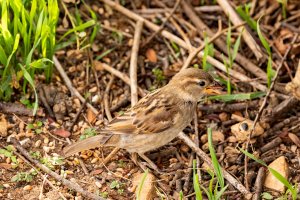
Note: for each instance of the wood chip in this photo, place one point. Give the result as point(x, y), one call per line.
point(147, 191)
point(281, 166)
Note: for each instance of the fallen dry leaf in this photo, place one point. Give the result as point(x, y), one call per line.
point(5, 166)
point(151, 55)
point(91, 116)
point(62, 133)
point(294, 138)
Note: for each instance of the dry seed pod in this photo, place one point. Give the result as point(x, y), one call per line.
point(242, 130)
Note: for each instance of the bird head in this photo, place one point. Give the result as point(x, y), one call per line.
point(195, 84)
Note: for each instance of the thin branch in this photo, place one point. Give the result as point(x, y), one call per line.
point(133, 62)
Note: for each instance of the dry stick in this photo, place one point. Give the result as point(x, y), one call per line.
point(264, 104)
point(196, 140)
point(56, 176)
point(117, 73)
point(206, 158)
point(183, 35)
point(133, 62)
point(260, 179)
point(182, 43)
point(235, 19)
point(202, 27)
point(69, 84)
point(162, 25)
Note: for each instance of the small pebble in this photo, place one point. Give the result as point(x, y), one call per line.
point(98, 184)
point(94, 160)
point(46, 149)
point(77, 103)
point(95, 98)
point(184, 148)
point(173, 160)
point(51, 144)
point(46, 140)
point(6, 185)
point(25, 141)
point(78, 198)
point(27, 188)
point(93, 89)
point(37, 143)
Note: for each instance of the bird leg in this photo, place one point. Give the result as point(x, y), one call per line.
point(134, 158)
point(150, 163)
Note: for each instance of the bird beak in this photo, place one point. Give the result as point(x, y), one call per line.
point(213, 89)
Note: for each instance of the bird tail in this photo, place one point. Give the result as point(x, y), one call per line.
point(89, 143)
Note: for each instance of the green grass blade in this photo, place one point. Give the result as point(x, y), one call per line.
point(214, 159)
point(105, 53)
point(221, 192)
point(233, 97)
point(3, 56)
point(245, 16)
point(237, 45)
point(196, 182)
point(262, 38)
point(270, 71)
point(140, 186)
point(31, 82)
point(79, 28)
point(40, 63)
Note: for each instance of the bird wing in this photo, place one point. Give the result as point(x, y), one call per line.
point(154, 113)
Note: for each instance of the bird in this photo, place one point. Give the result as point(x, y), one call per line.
point(157, 118)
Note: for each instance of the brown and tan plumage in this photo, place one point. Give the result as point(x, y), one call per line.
point(157, 118)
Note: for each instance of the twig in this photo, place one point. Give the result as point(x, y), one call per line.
point(264, 104)
point(222, 107)
point(186, 185)
point(150, 38)
point(235, 19)
point(260, 179)
point(57, 177)
point(117, 73)
point(106, 96)
point(196, 140)
point(203, 156)
point(133, 62)
point(77, 116)
point(18, 109)
point(69, 84)
point(203, 28)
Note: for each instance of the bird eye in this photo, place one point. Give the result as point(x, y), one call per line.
point(202, 83)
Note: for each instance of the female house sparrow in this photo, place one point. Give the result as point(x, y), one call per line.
point(157, 118)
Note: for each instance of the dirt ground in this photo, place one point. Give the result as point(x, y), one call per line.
point(64, 118)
